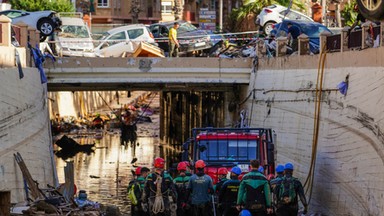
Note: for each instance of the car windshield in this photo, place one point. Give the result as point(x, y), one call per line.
point(228, 150)
point(72, 31)
point(184, 27)
point(104, 35)
point(313, 31)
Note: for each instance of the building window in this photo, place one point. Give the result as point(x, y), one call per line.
point(102, 3)
point(166, 7)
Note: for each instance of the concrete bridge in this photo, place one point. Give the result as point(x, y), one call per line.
point(84, 74)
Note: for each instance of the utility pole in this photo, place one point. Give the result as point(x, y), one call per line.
point(221, 16)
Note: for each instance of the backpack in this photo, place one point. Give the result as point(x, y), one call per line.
point(287, 193)
point(255, 197)
point(132, 193)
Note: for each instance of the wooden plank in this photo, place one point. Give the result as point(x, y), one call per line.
point(35, 192)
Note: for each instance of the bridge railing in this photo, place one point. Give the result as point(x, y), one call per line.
point(370, 35)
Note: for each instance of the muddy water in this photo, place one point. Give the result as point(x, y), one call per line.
point(105, 173)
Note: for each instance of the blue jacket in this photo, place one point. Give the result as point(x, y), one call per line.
point(201, 188)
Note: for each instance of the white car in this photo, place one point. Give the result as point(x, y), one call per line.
point(74, 39)
point(275, 14)
point(122, 39)
point(44, 21)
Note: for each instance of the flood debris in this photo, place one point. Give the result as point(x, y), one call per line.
point(57, 201)
point(69, 147)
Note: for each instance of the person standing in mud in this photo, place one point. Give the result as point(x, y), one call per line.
point(98, 122)
point(128, 129)
point(159, 195)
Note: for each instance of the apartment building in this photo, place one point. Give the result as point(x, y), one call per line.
point(121, 11)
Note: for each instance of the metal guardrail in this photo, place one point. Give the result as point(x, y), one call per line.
point(355, 39)
point(376, 31)
point(16, 32)
point(334, 43)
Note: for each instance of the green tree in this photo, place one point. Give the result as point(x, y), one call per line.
point(349, 14)
point(40, 5)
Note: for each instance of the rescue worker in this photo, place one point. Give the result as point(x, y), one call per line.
point(273, 183)
point(141, 174)
point(159, 195)
point(181, 184)
point(200, 190)
point(98, 122)
point(254, 192)
point(222, 176)
point(289, 189)
point(228, 193)
point(173, 42)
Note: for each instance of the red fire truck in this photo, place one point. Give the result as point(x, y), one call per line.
point(228, 147)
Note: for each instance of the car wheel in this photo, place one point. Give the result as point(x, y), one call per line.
point(371, 9)
point(45, 26)
point(268, 27)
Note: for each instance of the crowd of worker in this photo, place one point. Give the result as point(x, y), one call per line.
point(243, 194)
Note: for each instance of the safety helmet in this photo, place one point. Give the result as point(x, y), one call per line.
point(159, 163)
point(187, 163)
point(222, 171)
point(236, 170)
point(288, 166)
point(200, 164)
point(280, 168)
point(245, 213)
point(138, 171)
point(182, 166)
point(261, 169)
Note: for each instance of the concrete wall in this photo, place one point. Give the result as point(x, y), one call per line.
point(349, 174)
point(24, 128)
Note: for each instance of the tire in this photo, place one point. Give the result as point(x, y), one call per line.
point(268, 27)
point(45, 26)
point(372, 9)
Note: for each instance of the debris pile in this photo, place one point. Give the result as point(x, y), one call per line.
point(57, 201)
point(230, 50)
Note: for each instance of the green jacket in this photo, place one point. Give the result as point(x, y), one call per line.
point(181, 184)
point(140, 181)
point(254, 179)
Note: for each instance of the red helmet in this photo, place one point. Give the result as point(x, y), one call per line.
point(222, 171)
point(159, 163)
point(200, 164)
point(182, 166)
point(138, 171)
